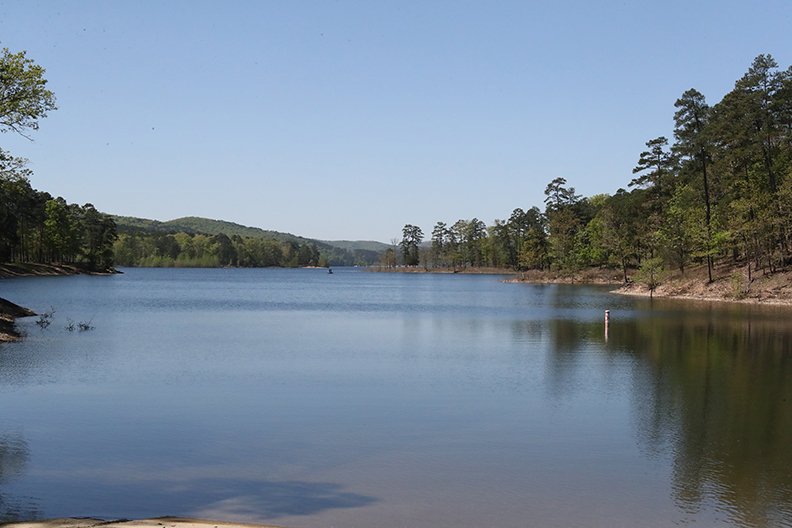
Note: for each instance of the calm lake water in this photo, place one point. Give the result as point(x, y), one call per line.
point(358, 399)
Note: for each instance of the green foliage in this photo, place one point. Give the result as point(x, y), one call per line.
point(739, 285)
point(655, 166)
point(24, 98)
point(439, 250)
point(357, 245)
point(651, 273)
point(187, 250)
point(99, 233)
point(722, 190)
point(558, 196)
point(680, 231)
point(34, 227)
point(344, 254)
point(525, 239)
point(62, 230)
point(412, 236)
point(388, 258)
point(563, 225)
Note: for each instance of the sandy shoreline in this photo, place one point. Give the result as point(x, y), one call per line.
point(159, 522)
point(754, 301)
point(730, 286)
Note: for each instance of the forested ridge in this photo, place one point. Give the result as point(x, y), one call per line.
point(202, 242)
point(719, 192)
point(36, 227)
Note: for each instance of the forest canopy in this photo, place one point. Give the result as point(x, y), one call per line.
point(720, 190)
point(35, 226)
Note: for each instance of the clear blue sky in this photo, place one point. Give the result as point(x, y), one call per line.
point(341, 119)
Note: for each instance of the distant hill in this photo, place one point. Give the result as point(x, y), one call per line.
point(196, 224)
point(352, 245)
point(344, 251)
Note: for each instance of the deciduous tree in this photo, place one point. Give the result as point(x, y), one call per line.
point(24, 97)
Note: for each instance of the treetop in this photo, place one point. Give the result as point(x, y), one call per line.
point(24, 97)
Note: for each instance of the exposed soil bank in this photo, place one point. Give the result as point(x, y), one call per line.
point(160, 522)
point(29, 269)
point(8, 314)
point(729, 284)
point(587, 276)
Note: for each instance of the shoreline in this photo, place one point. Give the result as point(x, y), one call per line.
point(8, 314)
point(157, 522)
point(758, 297)
point(442, 271)
point(30, 269)
point(730, 285)
point(9, 311)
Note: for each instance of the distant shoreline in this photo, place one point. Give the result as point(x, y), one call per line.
point(730, 284)
point(158, 522)
point(591, 276)
point(470, 270)
point(30, 269)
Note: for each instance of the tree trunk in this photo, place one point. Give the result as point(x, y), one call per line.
point(708, 213)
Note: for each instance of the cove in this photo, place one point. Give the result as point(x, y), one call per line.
point(357, 399)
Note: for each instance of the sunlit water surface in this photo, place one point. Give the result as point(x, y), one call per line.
point(356, 399)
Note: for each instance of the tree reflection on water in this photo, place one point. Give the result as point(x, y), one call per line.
point(712, 388)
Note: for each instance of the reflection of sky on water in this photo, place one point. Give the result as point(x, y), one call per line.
point(14, 454)
point(391, 400)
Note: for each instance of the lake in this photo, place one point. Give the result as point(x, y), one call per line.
point(300, 398)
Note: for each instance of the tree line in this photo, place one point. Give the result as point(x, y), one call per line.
point(35, 226)
point(719, 192)
point(212, 251)
point(203, 242)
